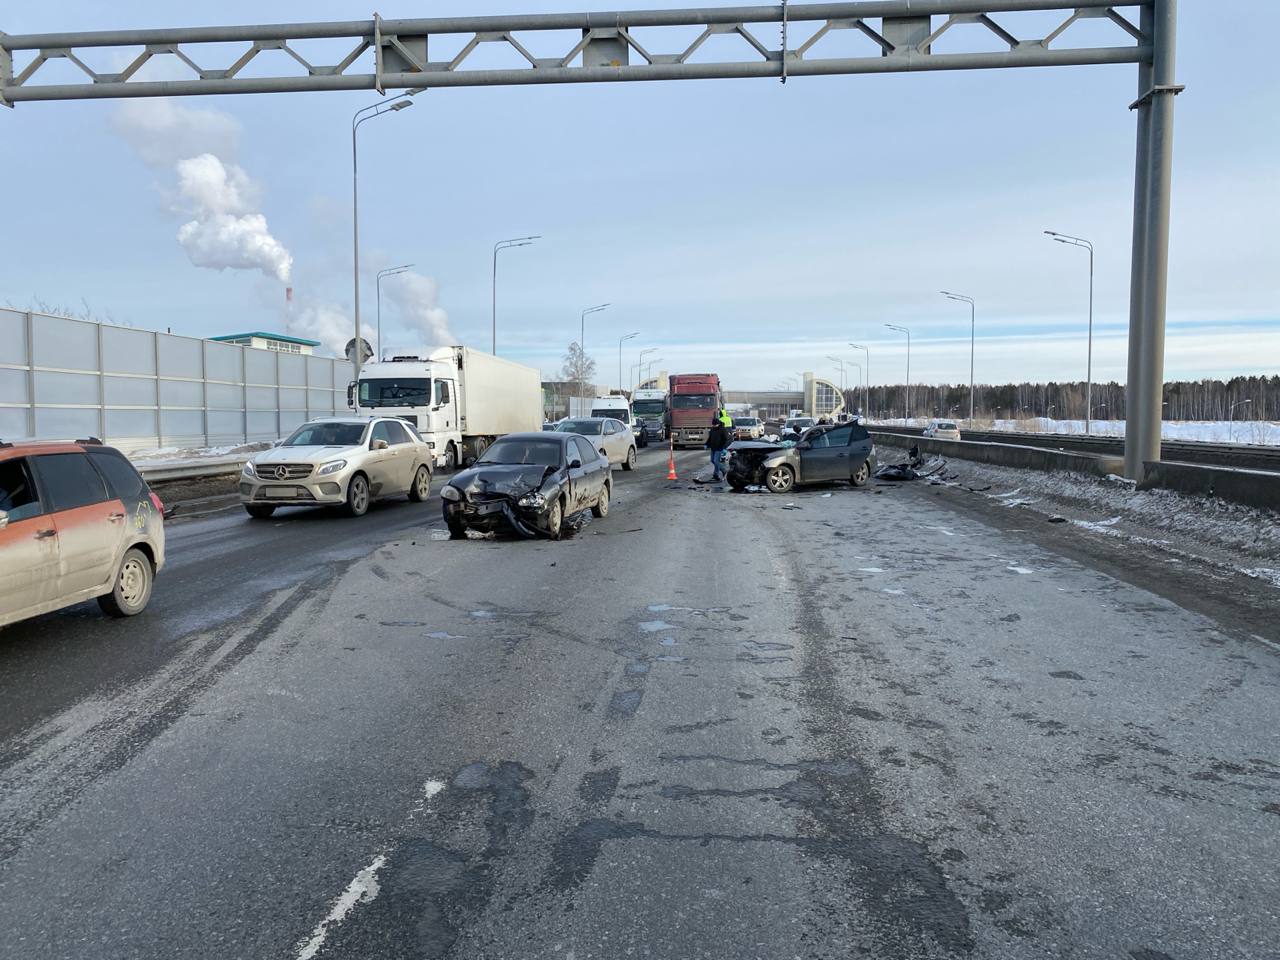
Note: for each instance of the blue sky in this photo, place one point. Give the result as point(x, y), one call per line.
point(740, 226)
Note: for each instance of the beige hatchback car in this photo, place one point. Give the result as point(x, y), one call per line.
point(343, 462)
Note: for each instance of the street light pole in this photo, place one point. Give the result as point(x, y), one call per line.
point(504, 245)
point(648, 367)
point(866, 379)
point(859, 381)
point(894, 326)
point(582, 348)
point(969, 300)
point(621, 341)
point(372, 110)
point(1231, 417)
point(389, 272)
point(1088, 390)
point(639, 365)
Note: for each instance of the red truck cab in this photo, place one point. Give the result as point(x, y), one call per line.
point(693, 401)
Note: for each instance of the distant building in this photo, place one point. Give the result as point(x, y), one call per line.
point(278, 342)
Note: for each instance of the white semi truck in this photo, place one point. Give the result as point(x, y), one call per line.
point(460, 399)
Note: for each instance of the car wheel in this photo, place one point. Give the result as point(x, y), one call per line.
point(601, 509)
point(132, 587)
point(421, 488)
point(259, 511)
point(357, 496)
point(861, 475)
point(450, 457)
point(555, 520)
point(779, 479)
point(630, 462)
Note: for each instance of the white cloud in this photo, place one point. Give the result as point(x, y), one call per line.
point(162, 132)
point(417, 298)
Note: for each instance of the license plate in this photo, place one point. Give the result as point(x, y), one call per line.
point(280, 492)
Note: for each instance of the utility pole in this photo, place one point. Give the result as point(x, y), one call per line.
point(1088, 394)
point(894, 326)
point(969, 300)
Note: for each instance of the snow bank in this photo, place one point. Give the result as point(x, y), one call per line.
point(1260, 432)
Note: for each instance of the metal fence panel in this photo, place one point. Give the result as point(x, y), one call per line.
point(13, 337)
point(136, 389)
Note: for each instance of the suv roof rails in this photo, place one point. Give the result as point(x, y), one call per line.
point(91, 441)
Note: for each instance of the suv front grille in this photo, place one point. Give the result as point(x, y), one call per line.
point(283, 471)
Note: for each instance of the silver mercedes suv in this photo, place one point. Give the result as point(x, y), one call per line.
point(339, 461)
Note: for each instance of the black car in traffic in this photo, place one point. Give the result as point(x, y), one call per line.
point(530, 483)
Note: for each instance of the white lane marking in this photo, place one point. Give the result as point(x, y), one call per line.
point(871, 569)
point(1020, 569)
point(363, 888)
point(896, 593)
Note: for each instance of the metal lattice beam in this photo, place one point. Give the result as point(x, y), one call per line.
point(602, 50)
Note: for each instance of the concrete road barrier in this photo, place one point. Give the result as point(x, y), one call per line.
point(1007, 454)
point(1255, 488)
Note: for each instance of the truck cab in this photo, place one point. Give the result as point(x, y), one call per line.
point(694, 400)
point(460, 399)
point(423, 392)
point(649, 410)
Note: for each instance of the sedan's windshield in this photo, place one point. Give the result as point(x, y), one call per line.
point(590, 428)
point(398, 392)
point(543, 453)
point(326, 435)
point(693, 401)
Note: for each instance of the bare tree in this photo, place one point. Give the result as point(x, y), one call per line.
point(578, 367)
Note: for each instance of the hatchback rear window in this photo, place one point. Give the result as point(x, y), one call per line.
point(122, 478)
point(69, 480)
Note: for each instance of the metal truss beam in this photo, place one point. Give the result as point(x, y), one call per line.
point(603, 47)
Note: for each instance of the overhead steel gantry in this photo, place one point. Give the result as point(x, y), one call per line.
point(781, 41)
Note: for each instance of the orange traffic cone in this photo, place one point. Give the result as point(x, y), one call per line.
point(671, 462)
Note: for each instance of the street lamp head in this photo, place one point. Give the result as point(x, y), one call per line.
point(401, 104)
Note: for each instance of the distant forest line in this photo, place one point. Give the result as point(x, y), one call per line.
point(1240, 398)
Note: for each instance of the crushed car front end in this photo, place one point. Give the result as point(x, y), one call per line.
point(750, 460)
point(487, 499)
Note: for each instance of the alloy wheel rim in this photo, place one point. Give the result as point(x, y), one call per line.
point(424, 482)
point(778, 480)
point(359, 495)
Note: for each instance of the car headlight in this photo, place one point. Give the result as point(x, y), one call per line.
point(535, 500)
point(248, 469)
point(450, 493)
point(332, 466)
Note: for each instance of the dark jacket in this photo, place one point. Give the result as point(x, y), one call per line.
point(718, 437)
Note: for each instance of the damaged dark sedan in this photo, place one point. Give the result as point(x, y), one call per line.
point(841, 451)
point(530, 483)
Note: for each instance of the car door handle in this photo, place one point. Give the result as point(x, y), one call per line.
point(115, 517)
point(45, 534)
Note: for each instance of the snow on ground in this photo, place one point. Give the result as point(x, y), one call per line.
point(1226, 536)
point(184, 456)
point(1263, 432)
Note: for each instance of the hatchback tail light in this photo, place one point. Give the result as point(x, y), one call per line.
point(156, 502)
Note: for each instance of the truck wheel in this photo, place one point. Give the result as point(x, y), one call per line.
point(420, 489)
point(630, 462)
point(259, 511)
point(357, 496)
point(131, 588)
point(779, 479)
point(601, 509)
point(451, 457)
point(861, 475)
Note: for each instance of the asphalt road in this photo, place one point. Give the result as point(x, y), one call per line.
point(847, 723)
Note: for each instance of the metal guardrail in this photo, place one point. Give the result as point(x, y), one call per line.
point(1183, 451)
point(213, 467)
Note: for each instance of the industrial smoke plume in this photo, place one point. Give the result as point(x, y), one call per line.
point(226, 229)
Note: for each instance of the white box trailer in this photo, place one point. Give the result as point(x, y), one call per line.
point(460, 399)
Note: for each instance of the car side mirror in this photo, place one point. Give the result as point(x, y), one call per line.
point(351, 394)
point(575, 464)
point(378, 445)
point(4, 519)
